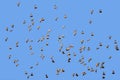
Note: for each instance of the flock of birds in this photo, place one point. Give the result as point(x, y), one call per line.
point(64, 50)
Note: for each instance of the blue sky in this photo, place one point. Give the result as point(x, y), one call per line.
point(78, 15)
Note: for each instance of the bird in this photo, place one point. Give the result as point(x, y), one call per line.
point(32, 23)
point(100, 44)
point(56, 19)
point(17, 44)
point(90, 21)
point(35, 6)
point(31, 67)
point(81, 41)
point(25, 72)
point(88, 68)
point(12, 26)
point(91, 11)
point(55, 7)
point(10, 48)
point(113, 72)
point(53, 61)
point(69, 60)
point(92, 34)
point(6, 39)
point(58, 71)
point(74, 32)
point(32, 19)
point(89, 59)
point(9, 56)
point(88, 48)
point(29, 28)
point(110, 37)
point(11, 30)
point(31, 15)
point(6, 29)
point(103, 73)
point(42, 19)
point(41, 49)
point(47, 36)
point(97, 48)
point(24, 22)
point(67, 49)
point(46, 76)
point(74, 54)
point(46, 44)
point(17, 65)
point(42, 56)
point(109, 57)
point(76, 75)
point(84, 73)
point(96, 70)
point(31, 53)
point(100, 10)
point(38, 27)
point(97, 64)
point(63, 52)
point(115, 41)
point(63, 27)
point(37, 64)
point(73, 74)
point(107, 46)
point(63, 70)
point(18, 4)
point(16, 61)
point(82, 32)
point(102, 66)
point(31, 74)
point(30, 47)
point(27, 40)
point(103, 77)
point(116, 48)
point(88, 40)
point(68, 54)
point(65, 16)
point(28, 77)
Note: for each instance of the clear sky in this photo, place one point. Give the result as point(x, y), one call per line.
point(78, 15)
